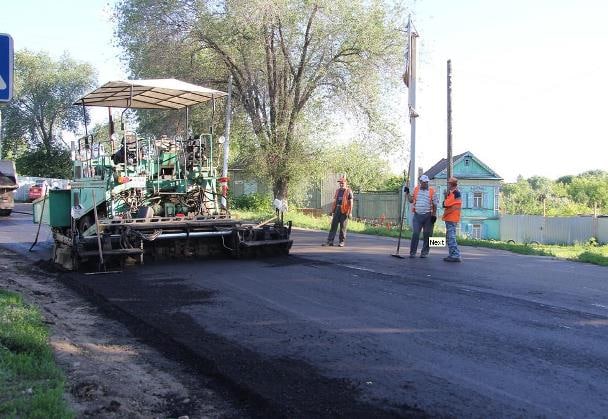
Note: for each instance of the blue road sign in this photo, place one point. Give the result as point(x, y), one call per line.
point(6, 67)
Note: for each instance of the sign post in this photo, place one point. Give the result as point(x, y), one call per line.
point(6, 74)
point(409, 78)
point(6, 67)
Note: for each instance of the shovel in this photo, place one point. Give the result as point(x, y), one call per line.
point(401, 216)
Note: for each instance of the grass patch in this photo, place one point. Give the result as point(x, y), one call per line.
point(31, 384)
point(597, 255)
point(323, 223)
point(594, 257)
point(589, 253)
point(523, 249)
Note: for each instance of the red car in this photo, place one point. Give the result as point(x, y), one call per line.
point(37, 190)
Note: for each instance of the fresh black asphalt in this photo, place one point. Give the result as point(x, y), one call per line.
point(353, 332)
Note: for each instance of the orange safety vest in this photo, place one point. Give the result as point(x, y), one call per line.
point(431, 193)
point(452, 205)
point(346, 203)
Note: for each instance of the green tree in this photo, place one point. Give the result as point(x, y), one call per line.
point(536, 196)
point(42, 107)
point(590, 189)
point(517, 197)
point(595, 174)
point(292, 62)
point(569, 195)
point(365, 169)
point(391, 183)
point(13, 147)
point(56, 164)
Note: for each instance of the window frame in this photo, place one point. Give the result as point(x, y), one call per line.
point(476, 231)
point(478, 200)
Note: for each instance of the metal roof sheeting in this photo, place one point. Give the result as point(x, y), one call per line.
point(149, 94)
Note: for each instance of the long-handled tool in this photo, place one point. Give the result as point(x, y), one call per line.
point(402, 214)
point(102, 265)
point(46, 198)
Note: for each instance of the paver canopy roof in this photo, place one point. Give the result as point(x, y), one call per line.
point(149, 94)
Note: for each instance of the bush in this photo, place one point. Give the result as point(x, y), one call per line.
point(39, 163)
point(252, 202)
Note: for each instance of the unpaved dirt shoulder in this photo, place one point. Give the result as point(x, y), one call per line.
point(108, 372)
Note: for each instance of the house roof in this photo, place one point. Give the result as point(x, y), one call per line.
point(441, 168)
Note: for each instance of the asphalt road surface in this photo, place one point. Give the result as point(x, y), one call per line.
point(18, 233)
point(355, 332)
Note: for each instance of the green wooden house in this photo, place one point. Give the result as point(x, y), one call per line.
point(480, 188)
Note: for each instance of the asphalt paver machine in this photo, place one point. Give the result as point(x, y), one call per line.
point(157, 197)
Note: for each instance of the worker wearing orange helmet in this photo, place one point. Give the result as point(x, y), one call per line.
point(341, 210)
point(451, 215)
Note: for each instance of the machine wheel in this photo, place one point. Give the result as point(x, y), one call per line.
point(84, 223)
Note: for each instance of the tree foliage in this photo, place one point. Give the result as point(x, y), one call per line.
point(569, 195)
point(291, 62)
point(42, 107)
point(365, 169)
point(392, 183)
point(45, 91)
point(590, 189)
point(40, 163)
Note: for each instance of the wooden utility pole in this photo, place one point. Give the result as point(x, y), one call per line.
point(450, 162)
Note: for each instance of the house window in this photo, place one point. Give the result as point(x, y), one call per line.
point(478, 200)
point(496, 206)
point(476, 231)
point(465, 199)
point(466, 162)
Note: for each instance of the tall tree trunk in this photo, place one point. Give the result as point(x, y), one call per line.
point(280, 188)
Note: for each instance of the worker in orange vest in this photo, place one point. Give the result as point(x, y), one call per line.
point(451, 215)
point(424, 206)
point(341, 210)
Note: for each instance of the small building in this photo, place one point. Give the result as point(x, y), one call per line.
point(241, 183)
point(480, 189)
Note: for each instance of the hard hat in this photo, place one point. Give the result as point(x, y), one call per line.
point(424, 178)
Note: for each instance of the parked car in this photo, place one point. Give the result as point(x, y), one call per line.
point(38, 190)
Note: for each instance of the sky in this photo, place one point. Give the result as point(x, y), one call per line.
point(529, 87)
point(528, 84)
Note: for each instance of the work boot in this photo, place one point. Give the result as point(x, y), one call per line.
point(424, 255)
point(452, 259)
point(328, 244)
point(412, 255)
point(341, 244)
